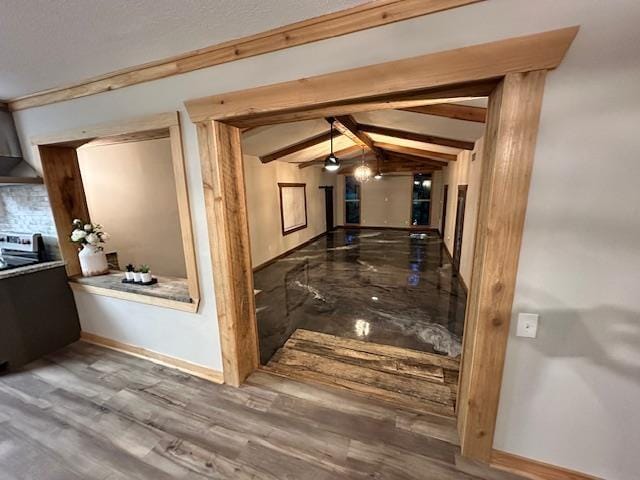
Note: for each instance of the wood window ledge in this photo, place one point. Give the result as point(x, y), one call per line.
point(169, 292)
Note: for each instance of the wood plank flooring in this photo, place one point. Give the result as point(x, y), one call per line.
point(87, 412)
point(414, 380)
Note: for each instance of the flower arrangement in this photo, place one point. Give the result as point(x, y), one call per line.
point(88, 234)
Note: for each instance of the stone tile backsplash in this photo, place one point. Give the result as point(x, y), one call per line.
point(26, 209)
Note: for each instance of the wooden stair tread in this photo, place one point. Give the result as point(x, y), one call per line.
point(410, 379)
point(398, 353)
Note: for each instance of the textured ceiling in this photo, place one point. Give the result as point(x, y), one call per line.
point(49, 43)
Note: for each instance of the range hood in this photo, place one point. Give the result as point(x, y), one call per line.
point(13, 168)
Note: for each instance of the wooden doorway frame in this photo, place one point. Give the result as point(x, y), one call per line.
point(511, 72)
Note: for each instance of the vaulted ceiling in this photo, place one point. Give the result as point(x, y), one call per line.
point(51, 43)
point(421, 139)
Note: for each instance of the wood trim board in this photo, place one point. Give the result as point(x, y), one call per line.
point(155, 357)
point(79, 136)
point(510, 139)
point(515, 70)
point(484, 62)
point(361, 17)
point(533, 469)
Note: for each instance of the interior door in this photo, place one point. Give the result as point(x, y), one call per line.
point(328, 204)
point(445, 199)
point(457, 239)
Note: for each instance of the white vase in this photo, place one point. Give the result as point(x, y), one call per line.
point(145, 277)
point(128, 275)
point(93, 261)
point(137, 277)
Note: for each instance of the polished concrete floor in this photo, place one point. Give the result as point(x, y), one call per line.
point(90, 413)
point(391, 287)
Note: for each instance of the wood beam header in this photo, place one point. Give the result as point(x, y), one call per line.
point(488, 61)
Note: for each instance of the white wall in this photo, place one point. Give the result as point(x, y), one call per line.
point(569, 397)
point(466, 170)
point(385, 202)
point(263, 205)
point(131, 191)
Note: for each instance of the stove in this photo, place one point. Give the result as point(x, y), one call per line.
point(20, 249)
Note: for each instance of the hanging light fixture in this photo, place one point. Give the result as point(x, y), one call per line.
point(363, 172)
point(378, 174)
point(331, 163)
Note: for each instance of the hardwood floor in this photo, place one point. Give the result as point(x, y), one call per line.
point(87, 412)
point(419, 381)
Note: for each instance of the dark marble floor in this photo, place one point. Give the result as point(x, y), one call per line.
point(384, 286)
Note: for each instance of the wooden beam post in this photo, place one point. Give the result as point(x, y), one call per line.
point(226, 207)
point(62, 178)
point(512, 126)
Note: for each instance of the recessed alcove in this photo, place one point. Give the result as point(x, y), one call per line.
point(130, 176)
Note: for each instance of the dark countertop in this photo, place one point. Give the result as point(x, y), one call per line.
point(14, 272)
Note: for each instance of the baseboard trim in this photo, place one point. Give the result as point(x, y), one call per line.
point(291, 250)
point(370, 227)
point(155, 357)
point(533, 469)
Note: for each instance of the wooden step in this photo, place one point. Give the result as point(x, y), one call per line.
point(415, 380)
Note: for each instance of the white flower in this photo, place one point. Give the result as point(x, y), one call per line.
point(88, 227)
point(104, 236)
point(93, 239)
point(77, 221)
point(77, 235)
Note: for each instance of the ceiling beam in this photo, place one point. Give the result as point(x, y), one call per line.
point(296, 147)
point(348, 126)
point(417, 152)
point(338, 153)
point(452, 110)
point(413, 158)
point(416, 137)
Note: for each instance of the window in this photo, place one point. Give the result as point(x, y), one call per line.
point(421, 206)
point(352, 200)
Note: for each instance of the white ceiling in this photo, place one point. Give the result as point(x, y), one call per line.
point(267, 139)
point(50, 43)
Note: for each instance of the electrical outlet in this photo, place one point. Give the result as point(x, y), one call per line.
point(527, 325)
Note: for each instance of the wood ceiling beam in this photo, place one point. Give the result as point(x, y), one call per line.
point(417, 152)
point(413, 158)
point(457, 93)
point(417, 137)
point(451, 110)
point(338, 153)
point(348, 126)
point(296, 147)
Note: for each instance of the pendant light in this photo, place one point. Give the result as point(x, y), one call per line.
point(378, 174)
point(331, 163)
point(363, 172)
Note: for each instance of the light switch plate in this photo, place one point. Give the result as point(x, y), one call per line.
point(527, 325)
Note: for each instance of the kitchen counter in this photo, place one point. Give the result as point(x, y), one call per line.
point(38, 313)
point(37, 267)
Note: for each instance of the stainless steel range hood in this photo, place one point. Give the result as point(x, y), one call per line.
point(13, 168)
